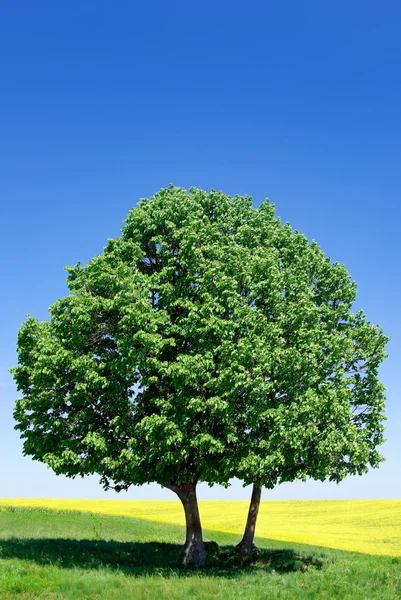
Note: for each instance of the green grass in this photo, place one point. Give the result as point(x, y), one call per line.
point(65, 556)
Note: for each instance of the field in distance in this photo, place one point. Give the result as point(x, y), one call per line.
point(367, 526)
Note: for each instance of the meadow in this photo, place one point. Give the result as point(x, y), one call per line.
point(48, 552)
point(368, 526)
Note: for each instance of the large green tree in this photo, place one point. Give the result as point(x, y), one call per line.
point(199, 346)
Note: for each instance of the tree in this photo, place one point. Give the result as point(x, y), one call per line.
point(178, 356)
point(314, 400)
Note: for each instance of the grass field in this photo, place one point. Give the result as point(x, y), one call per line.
point(369, 526)
point(48, 555)
point(61, 556)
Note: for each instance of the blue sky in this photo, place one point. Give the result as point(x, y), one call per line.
point(104, 102)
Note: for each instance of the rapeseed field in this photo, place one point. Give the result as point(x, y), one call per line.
point(367, 526)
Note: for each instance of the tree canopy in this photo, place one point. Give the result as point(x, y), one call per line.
point(208, 341)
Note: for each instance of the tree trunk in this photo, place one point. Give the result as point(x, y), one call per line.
point(194, 548)
point(244, 548)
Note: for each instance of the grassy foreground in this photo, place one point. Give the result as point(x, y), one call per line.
point(369, 526)
point(46, 555)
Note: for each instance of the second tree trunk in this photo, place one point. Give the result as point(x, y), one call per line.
point(244, 548)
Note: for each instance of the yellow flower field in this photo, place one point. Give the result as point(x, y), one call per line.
point(369, 526)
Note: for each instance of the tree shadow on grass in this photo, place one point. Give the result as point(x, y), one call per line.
point(143, 558)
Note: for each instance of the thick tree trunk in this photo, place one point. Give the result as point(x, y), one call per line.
point(244, 548)
point(194, 548)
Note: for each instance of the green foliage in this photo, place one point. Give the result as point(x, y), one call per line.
point(208, 341)
point(280, 561)
point(213, 553)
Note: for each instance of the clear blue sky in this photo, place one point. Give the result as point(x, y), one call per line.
point(104, 102)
